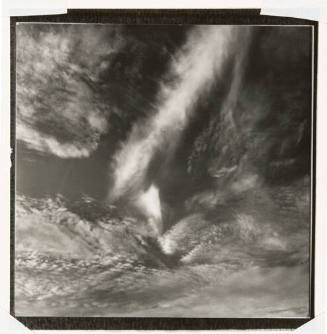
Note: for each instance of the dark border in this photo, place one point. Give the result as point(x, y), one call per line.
point(158, 16)
point(313, 167)
point(97, 323)
point(165, 16)
point(12, 160)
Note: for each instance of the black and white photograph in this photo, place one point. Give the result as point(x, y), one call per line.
point(163, 170)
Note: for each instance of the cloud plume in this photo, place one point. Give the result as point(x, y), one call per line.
point(193, 69)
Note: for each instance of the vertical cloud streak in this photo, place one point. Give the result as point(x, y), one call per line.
point(194, 69)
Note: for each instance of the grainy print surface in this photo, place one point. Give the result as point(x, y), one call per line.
point(163, 171)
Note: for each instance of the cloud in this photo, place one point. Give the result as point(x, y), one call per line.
point(84, 230)
point(237, 244)
point(59, 106)
point(262, 126)
point(149, 203)
point(263, 226)
point(193, 70)
point(66, 263)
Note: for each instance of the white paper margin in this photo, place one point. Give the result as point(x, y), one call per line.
point(303, 9)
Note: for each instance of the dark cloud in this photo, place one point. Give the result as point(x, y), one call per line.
point(59, 108)
point(73, 79)
point(269, 123)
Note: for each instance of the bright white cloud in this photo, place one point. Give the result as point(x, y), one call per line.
point(195, 67)
point(149, 203)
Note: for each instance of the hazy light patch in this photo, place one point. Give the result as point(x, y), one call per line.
point(245, 183)
point(149, 203)
point(184, 235)
point(44, 143)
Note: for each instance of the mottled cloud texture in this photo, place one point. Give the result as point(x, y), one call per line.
point(193, 197)
point(59, 106)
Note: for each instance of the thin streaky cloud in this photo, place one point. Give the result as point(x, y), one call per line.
point(195, 68)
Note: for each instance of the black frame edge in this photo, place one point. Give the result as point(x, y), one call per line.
point(12, 160)
point(96, 323)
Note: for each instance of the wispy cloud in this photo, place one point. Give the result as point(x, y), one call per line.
point(261, 130)
point(194, 68)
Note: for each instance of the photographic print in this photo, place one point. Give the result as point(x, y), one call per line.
point(163, 170)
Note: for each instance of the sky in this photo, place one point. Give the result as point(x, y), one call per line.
point(197, 139)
